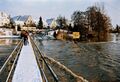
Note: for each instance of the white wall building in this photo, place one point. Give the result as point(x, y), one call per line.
point(23, 20)
point(4, 19)
point(51, 23)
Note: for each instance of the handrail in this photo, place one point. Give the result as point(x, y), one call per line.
point(4, 71)
point(13, 66)
point(9, 57)
point(39, 65)
point(50, 69)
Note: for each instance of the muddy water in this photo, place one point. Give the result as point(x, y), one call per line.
point(95, 61)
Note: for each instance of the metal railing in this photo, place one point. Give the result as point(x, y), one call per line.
point(39, 55)
point(9, 66)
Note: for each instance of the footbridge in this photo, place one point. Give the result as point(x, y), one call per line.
point(26, 64)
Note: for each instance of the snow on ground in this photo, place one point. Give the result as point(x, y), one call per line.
point(27, 69)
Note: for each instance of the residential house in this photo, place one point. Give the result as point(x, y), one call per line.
point(51, 23)
point(4, 19)
point(25, 20)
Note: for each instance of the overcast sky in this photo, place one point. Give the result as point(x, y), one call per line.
point(53, 8)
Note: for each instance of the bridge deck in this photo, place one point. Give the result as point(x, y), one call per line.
point(27, 69)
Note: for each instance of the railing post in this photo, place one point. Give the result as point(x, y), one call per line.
point(6, 68)
point(45, 62)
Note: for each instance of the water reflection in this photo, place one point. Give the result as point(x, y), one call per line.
point(6, 47)
point(8, 41)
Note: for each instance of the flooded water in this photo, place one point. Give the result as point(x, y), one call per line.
point(6, 47)
point(95, 61)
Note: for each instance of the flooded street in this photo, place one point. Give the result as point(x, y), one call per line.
point(95, 61)
point(6, 48)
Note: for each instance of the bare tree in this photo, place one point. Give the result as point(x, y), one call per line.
point(62, 22)
point(98, 20)
point(80, 21)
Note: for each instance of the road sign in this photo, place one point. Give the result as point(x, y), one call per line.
point(76, 35)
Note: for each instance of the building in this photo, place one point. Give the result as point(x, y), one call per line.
point(24, 23)
point(4, 19)
point(51, 23)
point(25, 20)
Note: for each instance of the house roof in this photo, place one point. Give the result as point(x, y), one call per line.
point(21, 18)
point(49, 21)
point(15, 18)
